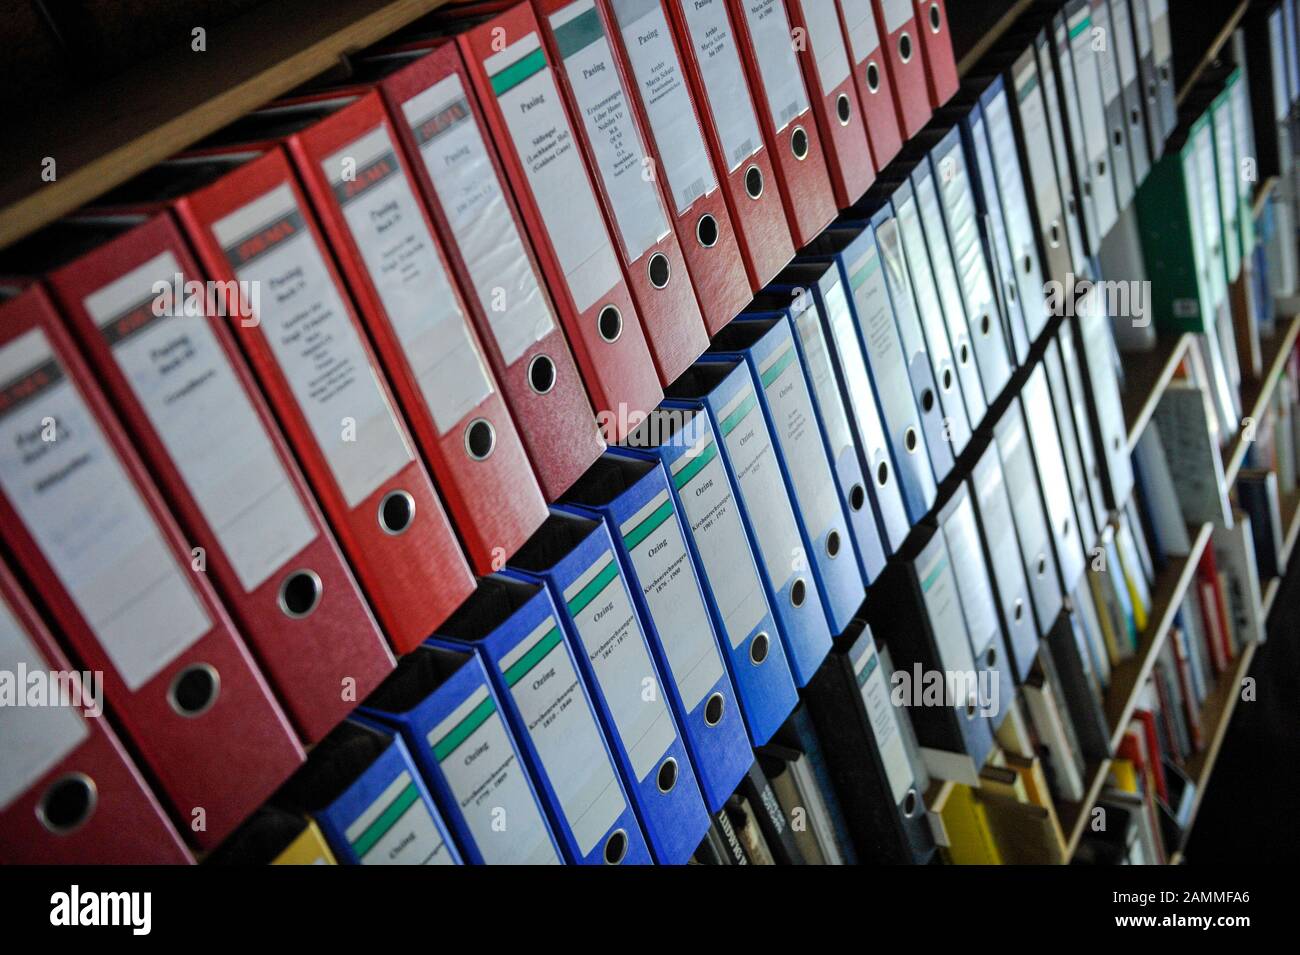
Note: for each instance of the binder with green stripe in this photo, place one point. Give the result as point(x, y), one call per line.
point(574, 557)
point(369, 799)
point(633, 499)
point(513, 628)
point(441, 703)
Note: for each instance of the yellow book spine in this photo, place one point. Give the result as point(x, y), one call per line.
point(308, 848)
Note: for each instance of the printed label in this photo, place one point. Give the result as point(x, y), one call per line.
point(1033, 119)
point(758, 475)
point(705, 493)
point(88, 519)
point(1124, 41)
point(397, 829)
point(884, 721)
point(857, 380)
point(883, 345)
point(474, 751)
point(962, 537)
point(769, 31)
point(663, 568)
point(316, 343)
point(821, 375)
point(607, 117)
point(897, 12)
point(943, 606)
point(612, 639)
point(666, 99)
point(534, 114)
point(183, 378)
point(33, 739)
point(723, 79)
point(400, 256)
point(1005, 163)
point(860, 25)
point(827, 42)
point(479, 215)
point(796, 428)
point(963, 231)
point(562, 727)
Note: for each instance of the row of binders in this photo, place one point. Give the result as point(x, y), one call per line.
point(472, 314)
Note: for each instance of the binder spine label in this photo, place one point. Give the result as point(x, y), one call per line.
point(723, 79)
point(857, 379)
point(476, 757)
point(881, 337)
point(1158, 12)
point(769, 29)
point(534, 113)
point(860, 25)
point(821, 376)
point(827, 39)
point(612, 639)
point(971, 573)
point(897, 12)
point(759, 477)
point(607, 117)
point(705, 493)
point(79, 505)
point(870, 677)
point(796, 429)
point(1123, 39)
point(1038, 149)
point(968, 250)
point(315, 342)
point(398, 251)
point(397, 829)
point(182, 377)
point(454, 153)
point(654, 540)
point(562, 727)
point(33, 738)
point(1015, 211)
point(942, 604)
point(666, 98)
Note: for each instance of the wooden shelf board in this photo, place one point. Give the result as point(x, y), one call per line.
point(1146, 375)
point(990, 37)
point(1074, 815)
point(1216, 46)
point(1216, 714)
point(115, 129)
point(1256, 394)
point(1166, 597)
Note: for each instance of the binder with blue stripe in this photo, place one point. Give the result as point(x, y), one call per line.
point(856, 254)
point(765, 342)
point(440, 701)
point(969, 117)
point(940, 322)
point(858, 496)
point(706, 498)
point(633, 498)
point(1010, 177)
point(574, 556)
point(952, 179)
point(727, 392)
point(366, 795)
point(514, 628)
point(835, 366)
